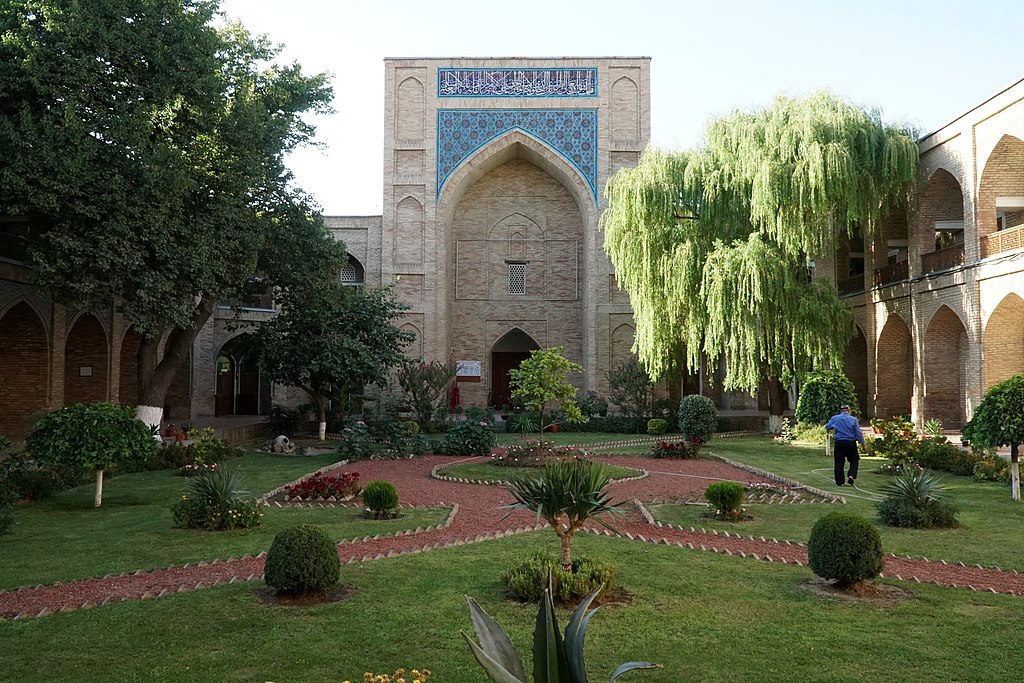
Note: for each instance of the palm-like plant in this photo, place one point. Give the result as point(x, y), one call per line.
point(566, 495)
point(915, 489)
point(217, 488)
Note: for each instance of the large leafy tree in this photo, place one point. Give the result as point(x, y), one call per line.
point(713, 244)
point(999, 421)
point(541, 379)
point(147, 148)
point(330, 339)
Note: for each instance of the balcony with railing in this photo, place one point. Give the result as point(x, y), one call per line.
point(851, 285)
point(950, 257)
point(1003, 240)
point(14, 242)
point(893, 272)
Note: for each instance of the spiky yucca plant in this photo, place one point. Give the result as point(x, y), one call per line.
point(566, 495)
point(556, 659)
point(915, 489)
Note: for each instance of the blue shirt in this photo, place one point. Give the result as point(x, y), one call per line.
point(847, 428)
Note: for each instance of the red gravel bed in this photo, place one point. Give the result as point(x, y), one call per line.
point(480, 517)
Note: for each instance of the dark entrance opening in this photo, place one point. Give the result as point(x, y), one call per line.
point(507, 354)
point(241, 389)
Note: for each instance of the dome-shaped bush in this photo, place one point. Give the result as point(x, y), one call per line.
point(380, 498)
point(725, 495)
point(302, 559)
point(698, 418)
point(844, 547)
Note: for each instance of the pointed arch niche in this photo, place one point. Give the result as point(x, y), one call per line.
point(940, 222)
point(85, 362)
point(1004, 341)
point(1001, 198)
point(855, 367)
point(945, 358)
point(894, 369)
point(24, 367)
point(241, 387)
point(507, 353)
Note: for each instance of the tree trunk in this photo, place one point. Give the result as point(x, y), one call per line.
point(321, 416)
point(155, 376)
point(777, 400)
point(566, 551)
point(1015, 471)
point(99, 487)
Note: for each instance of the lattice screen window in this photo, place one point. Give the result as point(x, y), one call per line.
point(517, 278)
point(349, 275)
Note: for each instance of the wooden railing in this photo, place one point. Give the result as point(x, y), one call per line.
point(894, 272)
point(849, 285)
point(950, 257)
point(1001, 241)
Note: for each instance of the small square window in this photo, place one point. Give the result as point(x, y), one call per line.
point(517, 278)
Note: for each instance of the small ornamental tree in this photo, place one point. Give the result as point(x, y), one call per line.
point(540, 379)
point(631, 390)
point(999, 421)
point(425, 384)
point(822, 394)
point(95, 436)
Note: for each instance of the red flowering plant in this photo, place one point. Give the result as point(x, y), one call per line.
point(341, 486)
point(684, 448)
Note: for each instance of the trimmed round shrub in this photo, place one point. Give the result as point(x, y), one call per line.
point(380, 498)
point(821, 395)
point(725, 495)
point(303, 560)
point(698, 418)
point(845, 548)
point(527, 580)
point(469, 438)
point(657, 426)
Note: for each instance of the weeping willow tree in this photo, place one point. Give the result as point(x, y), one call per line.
point(714, 244)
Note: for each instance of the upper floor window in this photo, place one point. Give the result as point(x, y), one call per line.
point(352, 273)
point(517, 278)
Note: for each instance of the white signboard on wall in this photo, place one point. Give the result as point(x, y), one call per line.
point(467, 370)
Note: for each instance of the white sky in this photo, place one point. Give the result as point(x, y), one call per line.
point(925, 62)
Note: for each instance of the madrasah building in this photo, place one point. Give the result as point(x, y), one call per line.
point(493, 182)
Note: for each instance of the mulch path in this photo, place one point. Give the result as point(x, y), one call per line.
point(479, 518)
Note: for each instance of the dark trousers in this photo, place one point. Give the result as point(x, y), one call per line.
point(843, 451)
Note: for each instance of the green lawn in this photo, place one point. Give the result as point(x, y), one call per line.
point(990, 521)
point(485, 471)
point(705, 617)
point(66, 538)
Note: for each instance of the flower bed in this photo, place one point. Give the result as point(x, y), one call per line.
point(684, 448)
point(339, 487)
point(534, 453)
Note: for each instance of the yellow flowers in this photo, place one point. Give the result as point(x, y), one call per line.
point(415, 676)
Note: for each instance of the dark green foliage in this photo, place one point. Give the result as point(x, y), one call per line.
point(523, 423)
point(845, 548)
point(936, 453)
point(914, 500)
point(898, 442)
point(527, 580)
point(821, 395)
point(999, 421)
point(287, 421)
point(426, 386)
point(631, 389)
point(698, 417)
point(656, 427)
point(668, 410)
point(726, 496)
point(610, 424)
point(469, 438)
point(302, 560)
point(593, 406)
point(380, 498)
point(214, 501)
point(680, 449)
point(8, 497)
point(992, 468)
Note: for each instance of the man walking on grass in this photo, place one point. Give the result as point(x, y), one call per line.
point(848, 435)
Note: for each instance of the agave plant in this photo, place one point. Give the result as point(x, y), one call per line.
point(216, 487)
point(572, 490)
point(915, 489)
point(556, 659)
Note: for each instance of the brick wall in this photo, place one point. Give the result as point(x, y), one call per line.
point(894, 378)
point(1004, 341)
point(942, 199)
point(855, 366)
point(24, 368)
point(1002, 177)
point(85, 362)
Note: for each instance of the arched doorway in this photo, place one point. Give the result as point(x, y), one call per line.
point(855, 367)
point(945, 356)
point(241, 387)
point(24, 368)
point(509, 351)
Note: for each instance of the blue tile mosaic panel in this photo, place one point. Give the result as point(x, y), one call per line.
point(478, 82)
point(572, 133)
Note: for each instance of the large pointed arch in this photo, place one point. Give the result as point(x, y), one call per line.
point(85, 361)
point(1000, 208)
point(945, 359)
point(1003, 345)
point(894, 369)
point(516, 144)
point(855, 367)
point(940, 222)
point(24, 367)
